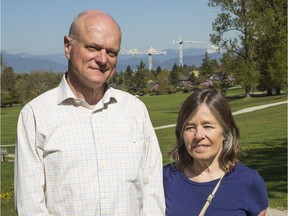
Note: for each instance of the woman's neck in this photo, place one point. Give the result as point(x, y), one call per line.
point(203, 172)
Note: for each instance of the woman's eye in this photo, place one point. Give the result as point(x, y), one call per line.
point(189, 127)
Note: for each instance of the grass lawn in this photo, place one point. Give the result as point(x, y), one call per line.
point(9, 117)
point(264, 141)
point(263, 135)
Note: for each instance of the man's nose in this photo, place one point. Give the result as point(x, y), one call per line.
point(101, 57)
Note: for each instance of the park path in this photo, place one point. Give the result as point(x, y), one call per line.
point(250, 109)
point(276, 212)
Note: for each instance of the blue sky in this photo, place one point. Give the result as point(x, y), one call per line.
point(38, 27)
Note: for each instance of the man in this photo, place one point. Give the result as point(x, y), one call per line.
point(85, 148)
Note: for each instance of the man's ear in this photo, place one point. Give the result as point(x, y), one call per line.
point(67, 46)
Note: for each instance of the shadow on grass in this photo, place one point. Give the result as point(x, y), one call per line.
point(172, 112)
point(270, 161)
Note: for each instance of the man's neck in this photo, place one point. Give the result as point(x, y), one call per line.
point(92, 95)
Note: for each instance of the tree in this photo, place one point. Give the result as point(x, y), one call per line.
point(117, 81)
point(271, 25)
point(139, 79)
point(216, 67)
point(206, 68)
point(174, 75)
point(237, 16)
point(31, 85)
point(158, 70)
point(128, 79)
point(6, 98)
point(8, 79)
point(8, 82)
point(120, 80)
point(191, 77)
point(163, 80)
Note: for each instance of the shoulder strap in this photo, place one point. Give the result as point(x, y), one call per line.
point(210, 197)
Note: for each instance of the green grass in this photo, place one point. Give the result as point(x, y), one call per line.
point(9, 117)
point(264, 142)
point(263, 136)
point(236, 91)
point(163, 109)
point(7, 189)
point(241, 103)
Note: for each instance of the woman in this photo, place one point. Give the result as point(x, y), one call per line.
point(206, 163)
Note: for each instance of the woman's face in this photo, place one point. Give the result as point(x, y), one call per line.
point(203, 135)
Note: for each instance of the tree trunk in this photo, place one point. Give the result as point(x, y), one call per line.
point(269, 92)
point(247, 94)
point(278, 91)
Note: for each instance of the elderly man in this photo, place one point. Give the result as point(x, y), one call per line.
point(85, 148)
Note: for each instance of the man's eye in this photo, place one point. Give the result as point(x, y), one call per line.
point(91, 48)
point(112, 54)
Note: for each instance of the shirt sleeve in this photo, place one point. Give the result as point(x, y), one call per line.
point(258, 201)
point(153, 193)
point(29, 178)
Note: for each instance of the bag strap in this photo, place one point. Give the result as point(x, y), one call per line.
point(210, 197)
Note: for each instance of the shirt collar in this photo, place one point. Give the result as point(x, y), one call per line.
point(64, 91)
point(66, 96)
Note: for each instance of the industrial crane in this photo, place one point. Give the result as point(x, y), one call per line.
point(180, 42)
point(151, 51)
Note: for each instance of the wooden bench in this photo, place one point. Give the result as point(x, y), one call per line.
point(4, 153)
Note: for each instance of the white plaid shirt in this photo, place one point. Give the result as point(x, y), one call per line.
point(72, 159)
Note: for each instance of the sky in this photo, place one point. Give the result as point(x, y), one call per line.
point(37, 27)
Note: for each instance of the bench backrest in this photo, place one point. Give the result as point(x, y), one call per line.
point(4, 151)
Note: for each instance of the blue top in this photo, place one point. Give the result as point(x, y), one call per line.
point(241, 192)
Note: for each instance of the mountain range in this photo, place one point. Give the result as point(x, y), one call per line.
point(24, 62)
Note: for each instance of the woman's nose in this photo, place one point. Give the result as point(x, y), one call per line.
point(200, 134)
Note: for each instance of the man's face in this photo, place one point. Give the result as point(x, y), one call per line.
point(93, 54)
